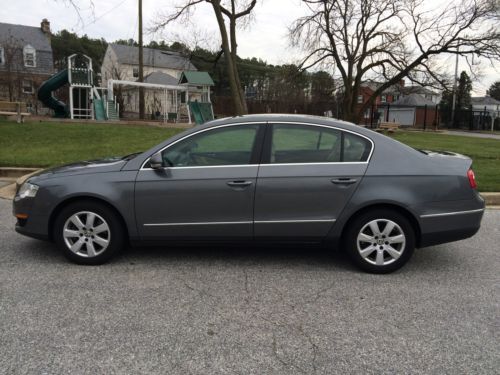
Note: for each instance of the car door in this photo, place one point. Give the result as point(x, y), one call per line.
point(206, 189)
point(308, 174)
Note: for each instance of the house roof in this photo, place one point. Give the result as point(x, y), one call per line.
point(196, 78)
point(23, 35)
point(484, 100)
point(407, 90)
point(152, 57)
point(415, 100)
point(161, 78)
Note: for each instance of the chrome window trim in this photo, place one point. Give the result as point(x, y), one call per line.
point(452, 213)
point(242, 222)
point(199, 132)
point(267, 164)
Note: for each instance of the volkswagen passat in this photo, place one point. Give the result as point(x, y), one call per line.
point(259, 178)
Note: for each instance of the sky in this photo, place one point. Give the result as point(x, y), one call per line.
point(265, 37)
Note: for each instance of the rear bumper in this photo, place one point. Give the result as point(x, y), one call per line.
point(449, 226)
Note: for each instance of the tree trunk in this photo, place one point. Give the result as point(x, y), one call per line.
point(239, 103)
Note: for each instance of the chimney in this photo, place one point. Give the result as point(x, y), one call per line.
point(402, 82)
point(45, 26)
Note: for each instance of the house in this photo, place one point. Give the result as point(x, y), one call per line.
point(485, 112)
point(25, 62)
point(411, 110)
point(419, 97)
point(121, 62)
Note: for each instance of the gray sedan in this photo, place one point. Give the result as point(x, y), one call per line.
point(259, 178)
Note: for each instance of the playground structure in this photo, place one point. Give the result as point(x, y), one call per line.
point(88, 102)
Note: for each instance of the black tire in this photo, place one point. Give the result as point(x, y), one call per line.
point(373, 252)
point(101, 251)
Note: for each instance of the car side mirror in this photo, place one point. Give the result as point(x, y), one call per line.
point(156, 161)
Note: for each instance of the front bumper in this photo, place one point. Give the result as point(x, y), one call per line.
point(36, 225)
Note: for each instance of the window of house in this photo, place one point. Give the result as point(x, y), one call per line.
point(360, 99)
point(383, 98)
point(232, 145)
point(135, 72)
point(2, 56)
point(27, 86)
point(29, 56)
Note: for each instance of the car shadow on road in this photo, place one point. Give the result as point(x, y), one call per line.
point(312, 256)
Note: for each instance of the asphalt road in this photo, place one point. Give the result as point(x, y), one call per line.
point(252, 311)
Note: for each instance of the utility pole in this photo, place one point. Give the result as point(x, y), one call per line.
point(454, 91)
point(141, 65)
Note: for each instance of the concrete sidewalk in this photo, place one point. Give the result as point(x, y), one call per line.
point(472, 134)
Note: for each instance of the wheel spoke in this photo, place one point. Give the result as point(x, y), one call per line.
point(392, 252)
point(77, 246)
point(68, 233)
point(365, 238)
point(101, 228)
point(100, 241)
point(374, 227)
point(396, 239)
point(380, 258)
point(388, 228)
point(90, 249)
point(367, 251)
point(90, 220)
point(76, 221)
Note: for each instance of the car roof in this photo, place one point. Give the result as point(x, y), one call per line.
point(279, 117)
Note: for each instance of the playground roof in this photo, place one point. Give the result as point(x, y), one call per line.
point(196, 78)
point(160, 78)
point(152, 57)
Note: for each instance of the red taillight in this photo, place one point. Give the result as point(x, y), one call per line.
point(472, 179)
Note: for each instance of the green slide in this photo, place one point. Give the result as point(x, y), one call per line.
point(202, 112)
point(45, 93)
point(99, 111)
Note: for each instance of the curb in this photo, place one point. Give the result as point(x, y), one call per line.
point(13, 172)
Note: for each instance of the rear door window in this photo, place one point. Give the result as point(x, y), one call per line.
point(292, 144)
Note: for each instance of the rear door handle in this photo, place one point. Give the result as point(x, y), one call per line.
point(239, 183)
point(344, 181)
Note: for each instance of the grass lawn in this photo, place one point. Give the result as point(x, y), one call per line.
point(40, 144)
point(44, 144)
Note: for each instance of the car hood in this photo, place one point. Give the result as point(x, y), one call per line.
point(82, 167)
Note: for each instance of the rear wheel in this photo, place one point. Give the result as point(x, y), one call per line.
point(380, 241)
point(88, 232)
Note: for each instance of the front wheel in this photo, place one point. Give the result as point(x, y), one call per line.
point(88, 232)
point(380, 241)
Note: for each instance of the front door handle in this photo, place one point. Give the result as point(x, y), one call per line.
point(239, 183)
point(344, 181)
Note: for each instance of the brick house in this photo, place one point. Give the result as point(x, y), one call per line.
point(419, 99)
point(25, 62)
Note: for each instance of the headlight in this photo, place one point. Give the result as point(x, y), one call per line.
point(27, 190)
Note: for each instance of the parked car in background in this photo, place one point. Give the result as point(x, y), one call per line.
point(259, 178)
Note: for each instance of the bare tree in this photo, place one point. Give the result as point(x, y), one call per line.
point(390, 40)
point(234, 12)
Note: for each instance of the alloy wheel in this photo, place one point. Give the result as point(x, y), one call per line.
point(86, 234)
point(381, 242)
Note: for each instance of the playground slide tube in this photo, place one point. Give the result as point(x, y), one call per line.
point(45, 93)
